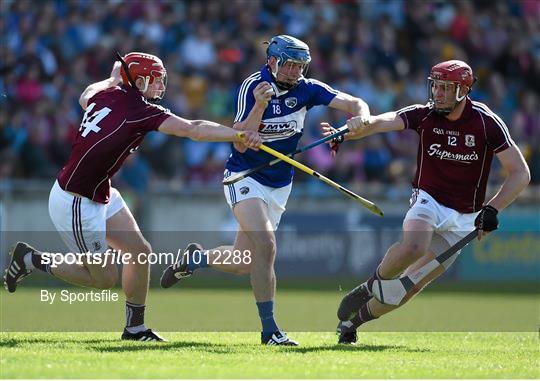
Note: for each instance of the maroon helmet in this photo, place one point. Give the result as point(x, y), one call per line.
point(145, 66)
point(450, 77)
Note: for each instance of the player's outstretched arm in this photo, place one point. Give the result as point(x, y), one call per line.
point(352, 105)
point(95, 88)
point(360, 127)
point(205, 130)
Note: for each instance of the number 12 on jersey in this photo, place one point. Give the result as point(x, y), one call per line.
point(90, 120)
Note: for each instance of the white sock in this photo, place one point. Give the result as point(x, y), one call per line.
point(28, 262)
point(137, 328)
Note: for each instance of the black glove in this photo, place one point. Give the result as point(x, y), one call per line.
point(487, 219)
point(334, 143)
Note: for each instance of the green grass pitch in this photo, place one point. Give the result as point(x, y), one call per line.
point(236, 355)
point(438, 335)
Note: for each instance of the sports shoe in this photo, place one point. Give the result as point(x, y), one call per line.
point(351, 303)
point(347, 334)
point(179, 270)
point(16, 270)
point(147, 335)
point(277, 338)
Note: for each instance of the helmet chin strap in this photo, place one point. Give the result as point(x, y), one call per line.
point(146, 82)
point(283, 86)
point(442, 112)
point(156, 100)
point(458, 98)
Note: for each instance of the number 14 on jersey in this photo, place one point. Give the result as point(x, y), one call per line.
point(90, 120)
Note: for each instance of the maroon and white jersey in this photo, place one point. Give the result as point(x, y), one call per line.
point(454, 157)
point(114, 124)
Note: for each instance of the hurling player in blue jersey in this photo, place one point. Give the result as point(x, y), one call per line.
point(273, 101)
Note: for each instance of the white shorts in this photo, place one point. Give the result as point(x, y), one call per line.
point(275, 198)
point(81, 222)
point(447, 223)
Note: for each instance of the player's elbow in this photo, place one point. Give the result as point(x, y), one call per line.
point(197, 130)
point(85, 96)
point(526, 176)
point(196, 134)
point(360, 107)
point(180, 127)
point(83, 101)
point(523, 173)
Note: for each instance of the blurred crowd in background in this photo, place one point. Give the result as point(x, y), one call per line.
point(378, 50)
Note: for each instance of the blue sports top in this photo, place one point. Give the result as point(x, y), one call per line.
point(281, 126)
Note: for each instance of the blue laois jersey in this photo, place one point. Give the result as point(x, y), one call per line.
point(281, 126)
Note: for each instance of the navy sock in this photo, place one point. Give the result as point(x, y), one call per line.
point(364, 315)
point(197, 260)
point(134, 314)
point(266, 313)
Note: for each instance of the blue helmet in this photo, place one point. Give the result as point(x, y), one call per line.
point(286, 48)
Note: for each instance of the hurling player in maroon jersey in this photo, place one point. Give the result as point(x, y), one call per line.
point(88, 213)
point(458, 139)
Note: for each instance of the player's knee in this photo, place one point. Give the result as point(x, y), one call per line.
point(142, 259)
point(269, 243)
point(143, 250)
point(412, 250)
point(265, 243)
point(268, 254)
point(145, 247)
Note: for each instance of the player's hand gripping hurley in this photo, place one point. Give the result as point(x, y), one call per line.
point(242, 175)
point(365, 203)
